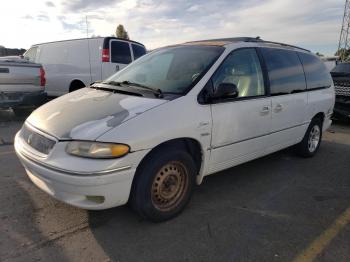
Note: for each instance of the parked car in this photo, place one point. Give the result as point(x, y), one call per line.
point(73, 64)
point(22, 85)
point(341, 78)
point(152, 131)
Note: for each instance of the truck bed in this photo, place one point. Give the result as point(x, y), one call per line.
point(20, 83)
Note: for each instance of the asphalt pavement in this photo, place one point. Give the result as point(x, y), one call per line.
point(277, 208)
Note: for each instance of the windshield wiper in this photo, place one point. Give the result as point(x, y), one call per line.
point(113, 83)
point(157, 92)
point(115, 90)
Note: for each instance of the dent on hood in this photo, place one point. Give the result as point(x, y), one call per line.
point(86, 113)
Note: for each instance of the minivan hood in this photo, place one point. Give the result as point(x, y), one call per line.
point(88, 113)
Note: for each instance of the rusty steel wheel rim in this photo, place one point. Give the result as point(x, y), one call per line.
point(169, 186)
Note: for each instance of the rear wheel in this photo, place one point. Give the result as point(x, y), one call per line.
point(163, 185)
point(75, 85)
point(312, 139)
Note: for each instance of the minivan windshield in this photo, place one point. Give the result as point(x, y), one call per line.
point(173, 69)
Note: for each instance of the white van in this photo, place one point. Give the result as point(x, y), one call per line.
point(152, 131)
point(73, 64)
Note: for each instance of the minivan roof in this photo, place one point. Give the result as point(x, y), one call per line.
point(226, 41)
point(99, 37)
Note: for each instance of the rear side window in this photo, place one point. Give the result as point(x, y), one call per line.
point(285, 71)
point(316, 73)
point(120, 52)
point(138, 51)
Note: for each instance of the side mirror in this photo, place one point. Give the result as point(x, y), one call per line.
point(225, 90)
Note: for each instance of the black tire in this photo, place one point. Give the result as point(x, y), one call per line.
point(146, 198)
point(76, 85)
point(22, 111)
point(304, 148)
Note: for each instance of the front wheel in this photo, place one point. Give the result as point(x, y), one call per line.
point(312, 139)
point(163, 185)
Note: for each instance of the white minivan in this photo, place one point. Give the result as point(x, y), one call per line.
point(73, 64)
point(150, 132)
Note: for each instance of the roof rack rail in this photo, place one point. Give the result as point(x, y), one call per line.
point(258, 39)
point(250, 39)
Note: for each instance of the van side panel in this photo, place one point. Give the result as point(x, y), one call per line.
point(321, 101)
point(64, 62)
point(77, 59)
point(78, 62)
point(95, 46)
point(52, 62)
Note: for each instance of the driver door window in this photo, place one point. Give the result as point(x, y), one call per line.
point(240, 128)
point(243, 69)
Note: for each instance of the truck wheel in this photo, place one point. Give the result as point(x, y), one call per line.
point(312, 139)
point(163, 185)
point(22, 111)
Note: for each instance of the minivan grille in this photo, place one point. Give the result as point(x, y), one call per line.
point(39, 142)
point(342, 87)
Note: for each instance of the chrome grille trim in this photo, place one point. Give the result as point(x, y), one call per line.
point(342, 87)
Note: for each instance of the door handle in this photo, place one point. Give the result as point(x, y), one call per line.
point(203, 123)
point(117, 68)
point(4, 70)
point(278, 107)
point(265, 110)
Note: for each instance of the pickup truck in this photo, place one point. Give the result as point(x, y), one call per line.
point(341, 79)
point(22, 85)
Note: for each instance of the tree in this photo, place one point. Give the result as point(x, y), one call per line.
point(120, 32)
point(343, 53)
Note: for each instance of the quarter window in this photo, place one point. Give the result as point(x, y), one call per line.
point(120, 52)
point(285, 71)
point(138, 51)
point(316, 72)
point(242, 68)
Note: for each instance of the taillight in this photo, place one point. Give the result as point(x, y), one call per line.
point(105, 55)
point(42, 77)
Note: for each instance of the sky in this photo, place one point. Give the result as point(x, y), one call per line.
point(308, 23)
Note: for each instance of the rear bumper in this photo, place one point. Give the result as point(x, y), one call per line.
point(22, 99)
point(342, 107)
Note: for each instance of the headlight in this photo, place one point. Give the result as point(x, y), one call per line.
point(96, 149)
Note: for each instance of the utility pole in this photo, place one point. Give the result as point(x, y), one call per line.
point(344, 41)
point(87, 26)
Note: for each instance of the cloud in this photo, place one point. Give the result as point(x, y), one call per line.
point(38, 17)
point(158, 22)
point(299, 22)
point(79, 5)
point(77, 25)
point(49, 4)
point(43, 17)
point(193, 8)
point(27, 17)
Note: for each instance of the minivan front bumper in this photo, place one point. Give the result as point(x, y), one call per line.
point(101, 190)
